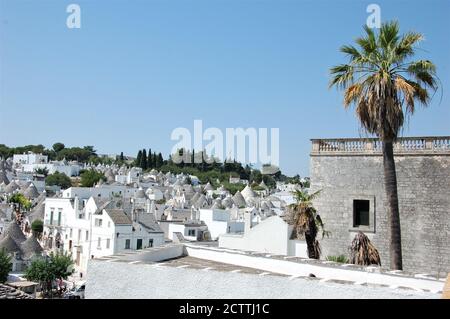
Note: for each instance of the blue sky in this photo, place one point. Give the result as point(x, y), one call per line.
point(138, 69)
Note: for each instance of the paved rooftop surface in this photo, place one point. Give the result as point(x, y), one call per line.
point(209, 265)
point(122, 280)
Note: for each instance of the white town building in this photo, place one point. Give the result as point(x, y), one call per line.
point(96, 222)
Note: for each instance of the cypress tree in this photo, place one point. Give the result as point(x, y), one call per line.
point(155, 159)
point(138, 159)
point(150, 162)
point(121, 156)
point(144, 160)
point(160, 160)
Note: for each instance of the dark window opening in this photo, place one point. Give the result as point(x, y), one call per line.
point(361, 210)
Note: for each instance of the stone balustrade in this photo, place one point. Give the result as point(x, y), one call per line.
point(429, 145)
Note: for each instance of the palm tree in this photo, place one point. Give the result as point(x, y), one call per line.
point(306, 221)
point(384, 84)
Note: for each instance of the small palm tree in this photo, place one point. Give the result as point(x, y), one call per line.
point(306, 221)
point(385, 85)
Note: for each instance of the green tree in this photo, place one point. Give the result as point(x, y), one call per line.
point(47, 270)
point(91, 177)
point(91, 150)
point(59, 179)
point(384, 84)
point(160, 160)
point(150, 162)
point(5, 151)
point(154, 159)
point(5, 265)
point(269, 181)
point(41, 171)
point(138, 159)
point(77, 154)
point(58, 147)
point(37, 227)
point(121, 158)
point(144, 165)
point(20, 201)
point(307, 223)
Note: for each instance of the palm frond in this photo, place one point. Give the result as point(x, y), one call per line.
point(363, 252)
point(379, 81)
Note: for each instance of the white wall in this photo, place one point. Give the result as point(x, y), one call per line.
point(302, 269)
point(270, 235)
point(103, 192)
point(70, 228)
point(217, 221)
point(126, 232)
point(29, 158)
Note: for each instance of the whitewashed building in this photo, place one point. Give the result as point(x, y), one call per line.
point(271, 235)
point(220, 221)
point(91, 222)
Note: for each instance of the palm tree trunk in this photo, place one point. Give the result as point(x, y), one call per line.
point(390, 184)
point(310, 246)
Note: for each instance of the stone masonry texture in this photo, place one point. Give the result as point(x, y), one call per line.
point(424, 202)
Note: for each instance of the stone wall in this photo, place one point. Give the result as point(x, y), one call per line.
point(424, 200)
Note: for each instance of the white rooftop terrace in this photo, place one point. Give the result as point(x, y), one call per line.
point(204, 271)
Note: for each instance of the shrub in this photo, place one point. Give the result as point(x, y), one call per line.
point(37, 227)
point(5, 265)
point(338, 259)
point(90, 177)
point(59, 179)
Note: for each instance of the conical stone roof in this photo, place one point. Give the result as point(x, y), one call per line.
point(189, 189)
point(201, 201)
point(2, 214)
point(3, 177)
point(31, 247)
point(38, 212)
point(227, 202)
point(24, 185)
point(110, 177)
point(239, 200)
point(13, 230)
point(31, 192)
point(9, 244)
point(208, 187)
point(195, 198)
point(11, 187)
point(248, 193)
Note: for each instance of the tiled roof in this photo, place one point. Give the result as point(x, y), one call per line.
point(148, 221)
point(118, 216)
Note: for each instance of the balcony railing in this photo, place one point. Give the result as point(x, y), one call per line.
point(366, 146)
